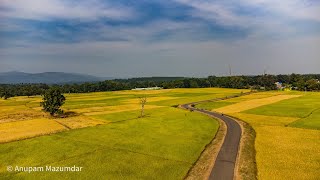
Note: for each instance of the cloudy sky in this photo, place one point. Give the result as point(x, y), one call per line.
point(130, 38)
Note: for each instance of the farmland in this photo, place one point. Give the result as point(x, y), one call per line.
point(105, 135)
point(287, 131)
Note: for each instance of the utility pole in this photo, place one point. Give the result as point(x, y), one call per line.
point(264, 75)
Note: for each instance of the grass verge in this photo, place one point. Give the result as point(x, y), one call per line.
point(203, 166)
point(246, 166)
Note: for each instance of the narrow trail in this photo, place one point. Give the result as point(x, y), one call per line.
point(225, 162)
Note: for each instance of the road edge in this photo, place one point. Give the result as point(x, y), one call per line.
point(209, 154)
point(246, 164)
point(246, 130)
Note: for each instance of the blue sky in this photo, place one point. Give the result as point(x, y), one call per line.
point(129, 38)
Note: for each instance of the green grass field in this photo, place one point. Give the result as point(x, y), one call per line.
point(162, 145)
point(306, 108)
point(287, 133)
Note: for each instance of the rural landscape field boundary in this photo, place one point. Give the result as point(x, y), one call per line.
point(227, 168)
point(202, 168)
point(246, 166)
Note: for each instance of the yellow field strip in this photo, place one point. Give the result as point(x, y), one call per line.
point(262, 120)
point(25, 129)
point(143, 91)
point(84, 98)
point(8, 109)
point(251, 96)
point(150, 99)
point(80, 122)
point(115, 109)
point(21, 115)
point(250, 104)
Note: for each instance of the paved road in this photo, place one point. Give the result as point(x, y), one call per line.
point(224, 166)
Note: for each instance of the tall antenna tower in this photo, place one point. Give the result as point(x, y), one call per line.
point(265, 70)
point(230, 70)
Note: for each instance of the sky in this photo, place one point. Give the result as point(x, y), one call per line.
point(139, 38)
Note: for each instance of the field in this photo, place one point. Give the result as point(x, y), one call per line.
point(287, 128)
point(105, 135)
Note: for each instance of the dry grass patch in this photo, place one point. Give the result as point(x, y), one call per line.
point(12, 113)
point(250, 104)
point(30, 128)
point(77, 122)
point(21, 116)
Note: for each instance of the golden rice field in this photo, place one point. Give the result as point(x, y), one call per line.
point(284, 149)
point(253, 103)
point(106, 136)
point(24, 129)
point(88, 106)
point(106, 132)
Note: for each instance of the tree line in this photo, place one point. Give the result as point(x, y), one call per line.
point(308, 82)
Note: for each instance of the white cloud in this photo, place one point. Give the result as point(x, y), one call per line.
point(149, 31)
point(297, 9)
point(47, 9)
point(140, 57)
point(224, 11)
point(268, 18)
point(214, 10)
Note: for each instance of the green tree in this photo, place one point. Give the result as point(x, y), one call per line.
point(313, 85)
point(6, 94)
point(1, 92)
point(52, 101)
point(193, 84)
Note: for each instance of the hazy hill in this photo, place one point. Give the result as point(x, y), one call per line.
point(46, 77)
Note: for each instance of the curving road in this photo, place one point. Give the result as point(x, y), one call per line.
point(224, 166)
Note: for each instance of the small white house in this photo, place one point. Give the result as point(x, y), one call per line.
point(148, 88)
point(279, 85)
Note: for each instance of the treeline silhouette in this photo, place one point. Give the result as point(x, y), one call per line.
point(308, 82)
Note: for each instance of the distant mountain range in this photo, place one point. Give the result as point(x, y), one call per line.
point(47, 77)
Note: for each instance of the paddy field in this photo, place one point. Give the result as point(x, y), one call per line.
point(287, 126)
point(106, 136)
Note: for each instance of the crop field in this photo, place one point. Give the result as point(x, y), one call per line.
point(217, 104)
point(253, 103)
point(287, 126)
point(106, 136)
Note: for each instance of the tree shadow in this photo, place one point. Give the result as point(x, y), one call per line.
point(67, 114)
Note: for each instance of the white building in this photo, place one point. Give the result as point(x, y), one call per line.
point(148, 88)
point(279, 85)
